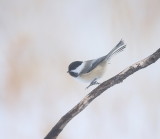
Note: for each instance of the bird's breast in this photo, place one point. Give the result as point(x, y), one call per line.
point(95, 73)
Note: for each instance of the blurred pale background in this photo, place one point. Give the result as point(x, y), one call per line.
point(39, 39)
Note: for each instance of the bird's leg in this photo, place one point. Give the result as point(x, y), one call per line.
point(94, 82)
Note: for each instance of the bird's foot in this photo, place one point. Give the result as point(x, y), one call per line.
point(94, 82)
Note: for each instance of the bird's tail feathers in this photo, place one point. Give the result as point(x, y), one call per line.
point(118, 48)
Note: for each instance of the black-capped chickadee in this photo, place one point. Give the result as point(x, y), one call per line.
point(91, 70)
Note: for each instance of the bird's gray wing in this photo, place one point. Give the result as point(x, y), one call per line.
point(91, 64)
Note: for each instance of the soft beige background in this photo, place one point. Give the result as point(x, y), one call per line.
point(38, 40)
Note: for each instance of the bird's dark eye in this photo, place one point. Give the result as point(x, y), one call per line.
point(74, 74)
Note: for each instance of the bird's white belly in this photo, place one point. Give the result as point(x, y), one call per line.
point(94, 74)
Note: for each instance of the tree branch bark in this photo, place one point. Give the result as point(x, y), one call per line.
point(55, 131)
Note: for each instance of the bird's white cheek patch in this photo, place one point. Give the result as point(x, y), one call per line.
point(79, 69)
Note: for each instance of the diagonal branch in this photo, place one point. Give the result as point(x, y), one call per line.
point(55, 131)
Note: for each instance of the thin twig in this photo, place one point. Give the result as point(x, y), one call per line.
point(55, 131)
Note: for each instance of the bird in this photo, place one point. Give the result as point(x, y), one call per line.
point(92, 70)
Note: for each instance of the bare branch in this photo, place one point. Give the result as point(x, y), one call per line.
point(55, 131)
